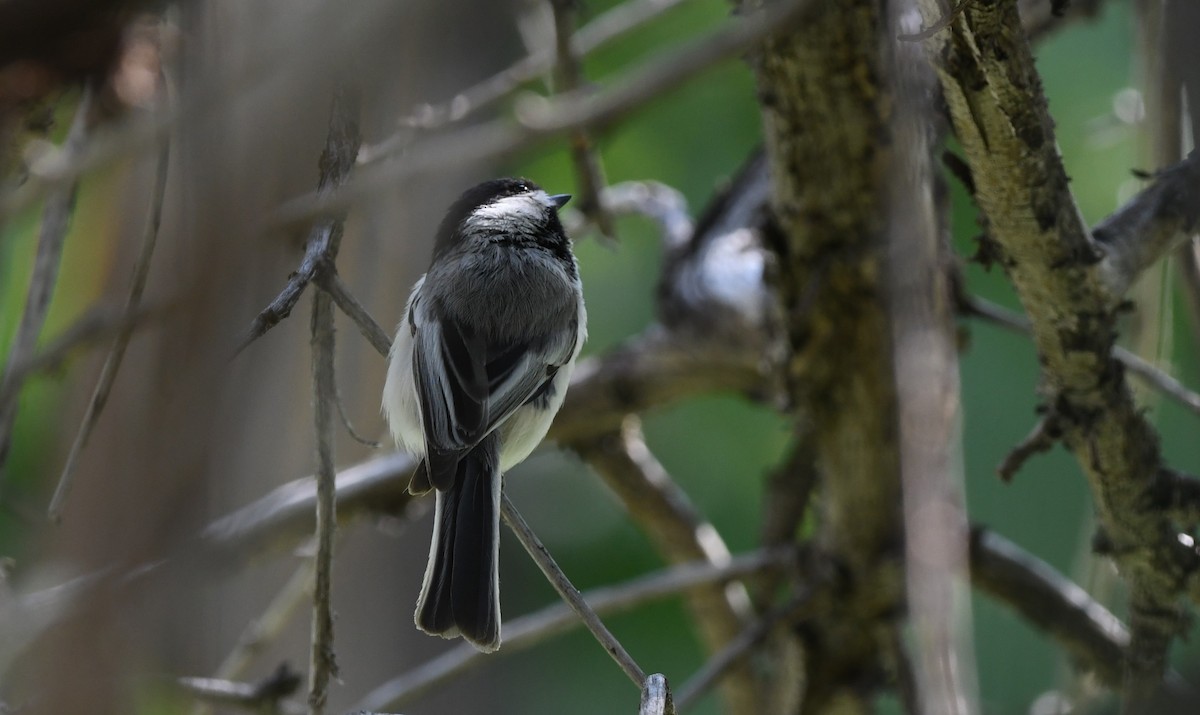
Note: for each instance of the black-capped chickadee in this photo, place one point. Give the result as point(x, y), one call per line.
point(479, 367)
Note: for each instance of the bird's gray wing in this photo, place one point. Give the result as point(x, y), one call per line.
point(468, 385)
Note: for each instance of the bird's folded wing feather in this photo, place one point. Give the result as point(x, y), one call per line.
point(468, 386)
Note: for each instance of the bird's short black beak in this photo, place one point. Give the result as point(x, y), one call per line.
point(560, 200)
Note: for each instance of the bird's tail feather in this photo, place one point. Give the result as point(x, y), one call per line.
point(461, 591)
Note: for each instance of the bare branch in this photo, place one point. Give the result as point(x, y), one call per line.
point(98, 324)
point(540, 119)
point(1067, 286)
point(720, 664)
point(1040, 18)
point(322, 665)
point(112, 363)
point(534, 628)
point(1136, 364)
point(567, 591)
point(656, 696)
point(56, 219)
point(1042, 438)
point(331, 282)
point(612, 24)
point(568, 77)
point(268, 626)
point(1084, 628)
point(265, 696)
point(325, 236)
point(680, 533)
point(939, 660)
point(652, 369)
point(1151, 224)
point(285, 516)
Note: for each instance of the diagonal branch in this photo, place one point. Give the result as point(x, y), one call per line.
point(56, 220)
point(1085, 629)
point(541, 119)
point(112, 363)
point(325, 236)
point(680, 533)
point(994, 96)
point(567, 591)
point(530, 630)
point(1151, 224)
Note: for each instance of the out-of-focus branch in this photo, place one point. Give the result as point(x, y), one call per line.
point(1040, 18)
point(284, 517)
point(1153, 375)
point(681, 534)
point(1094, 637)
point(723, 662)
point(607, 27)
point(266, 696)
point(98, 324)
point(1041, 438)
point(112, 363)
point(56, 219)
point(940, 676)
point(567, 591)
point(1151, 224)
point(1066, 284)
point(828, 233)
point(650, 370)
point(530, 630)
point(568, 77)
point(539, 119)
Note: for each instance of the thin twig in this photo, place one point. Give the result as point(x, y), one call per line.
point(270, 624)
point(1154, 376)
point(540, 119)
point(56, 220)
point(112, 363)
point(568, 77)
point(599, 32)
point(1042, 438)
point(567, 591)
point(659, 507)
point(534, 628)
point(732, 654)
point(322, 665)
point(332, 283)
point(346, 423)
point(98, 324)
point(336, 162)
point(325, 236)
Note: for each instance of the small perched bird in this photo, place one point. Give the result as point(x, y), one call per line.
point(479, 367)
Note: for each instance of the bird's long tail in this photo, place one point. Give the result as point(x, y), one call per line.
point(461, 591)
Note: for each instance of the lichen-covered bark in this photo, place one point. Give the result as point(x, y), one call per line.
point(825, 113)
point(995, 97)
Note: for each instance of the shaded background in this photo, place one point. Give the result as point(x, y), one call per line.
point(189, 435)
